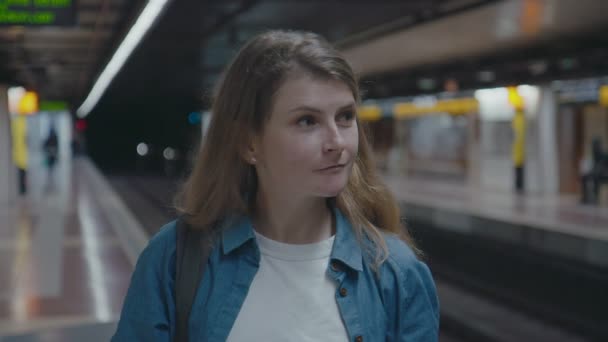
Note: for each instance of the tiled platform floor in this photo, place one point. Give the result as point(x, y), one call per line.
point(63, 258)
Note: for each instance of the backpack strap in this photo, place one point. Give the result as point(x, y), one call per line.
point(192, 253)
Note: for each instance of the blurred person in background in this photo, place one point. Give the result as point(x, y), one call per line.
point(594, 172)
point(51, 154)
point(306, 242)
point(51, 149)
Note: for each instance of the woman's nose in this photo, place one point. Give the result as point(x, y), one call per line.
point(333, 140)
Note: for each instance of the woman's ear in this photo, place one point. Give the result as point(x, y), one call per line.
point(250, 151)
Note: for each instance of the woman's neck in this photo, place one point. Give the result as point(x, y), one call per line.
point(291, 220)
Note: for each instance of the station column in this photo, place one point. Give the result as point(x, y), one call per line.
point(519, 138)
point(8, 190)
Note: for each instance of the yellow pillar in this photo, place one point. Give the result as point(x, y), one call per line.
point(519, 141)
point(19, 130)
point(518, 124)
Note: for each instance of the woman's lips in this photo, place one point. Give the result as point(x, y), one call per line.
point(336, 167)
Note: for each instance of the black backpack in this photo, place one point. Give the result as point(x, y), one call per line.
point(193, 248)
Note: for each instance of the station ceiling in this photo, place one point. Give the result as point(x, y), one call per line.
point(187, 48)
point(60, 61)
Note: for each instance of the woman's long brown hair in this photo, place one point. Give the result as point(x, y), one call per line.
point(222, 182)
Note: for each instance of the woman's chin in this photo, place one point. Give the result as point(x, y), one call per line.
point(332, 190)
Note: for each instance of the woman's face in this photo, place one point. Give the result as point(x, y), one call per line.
point(309, 143)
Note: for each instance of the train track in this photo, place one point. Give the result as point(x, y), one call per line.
point(558, 295)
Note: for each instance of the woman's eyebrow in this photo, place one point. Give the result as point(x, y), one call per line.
point(347, 106)
point(305, 108)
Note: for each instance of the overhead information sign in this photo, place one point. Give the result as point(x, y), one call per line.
point(38, 12)
point(53, 106)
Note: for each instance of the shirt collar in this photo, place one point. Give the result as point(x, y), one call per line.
point(346, 248)
point(238, 229)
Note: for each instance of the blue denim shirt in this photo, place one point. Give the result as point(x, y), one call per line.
point(399, 303)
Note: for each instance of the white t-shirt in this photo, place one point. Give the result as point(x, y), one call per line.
point(291, 297)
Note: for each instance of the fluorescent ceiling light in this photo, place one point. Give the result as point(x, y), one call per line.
point(136, 33)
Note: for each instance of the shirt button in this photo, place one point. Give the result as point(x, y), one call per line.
point(343, 292)
point(359, 338)
point(334, 266)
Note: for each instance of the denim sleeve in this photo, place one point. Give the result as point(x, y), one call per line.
point(409, 295)
point(419, 305)
point(148, 307)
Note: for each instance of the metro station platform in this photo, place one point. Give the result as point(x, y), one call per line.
point(558, 226)
point(67, 250)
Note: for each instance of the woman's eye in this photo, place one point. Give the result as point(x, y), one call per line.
point(347, 116)
point(306, 121)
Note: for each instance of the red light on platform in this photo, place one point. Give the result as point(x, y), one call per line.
point(81, 125)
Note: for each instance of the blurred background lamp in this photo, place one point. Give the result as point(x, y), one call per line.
point(21, 101)
point(142, 149)
point(538, 67)
point(15, 94)
point(81, 125)
point(169, 153)
point(451, 85)
point(486, 76)
point(568, 63)
point(426, 83)
point(194, 118)
point(143, 23)
point(28, 104)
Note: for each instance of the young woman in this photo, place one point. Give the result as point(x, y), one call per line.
point(308, 244)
